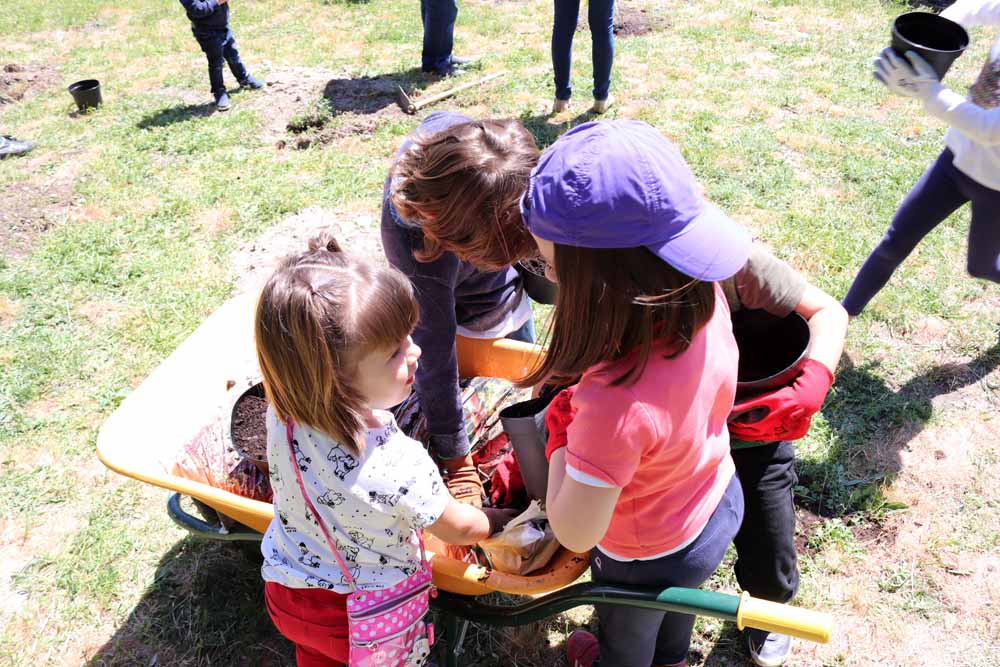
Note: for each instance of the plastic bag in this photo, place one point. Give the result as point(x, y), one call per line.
point(524, 545)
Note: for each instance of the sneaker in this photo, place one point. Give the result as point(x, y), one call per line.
point(458, 62)
point(558, 105)
point(251, 83)
point(582, 649)
point(9, 147)
point(222, 101)
point(768, 649)
point(600, 106)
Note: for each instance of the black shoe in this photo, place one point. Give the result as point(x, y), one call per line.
point(251, 83)
point(222, 101)
point(9, 146)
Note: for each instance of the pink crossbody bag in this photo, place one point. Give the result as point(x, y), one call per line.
point(386, 627)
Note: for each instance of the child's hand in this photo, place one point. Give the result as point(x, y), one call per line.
point(499, 517)
point(914, 79)
point(558, 419)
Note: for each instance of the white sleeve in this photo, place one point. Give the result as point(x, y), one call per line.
point(979, 124)
point(968, 13)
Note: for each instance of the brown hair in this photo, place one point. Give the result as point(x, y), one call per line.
point(463, 185)
point(318, 314)
point(614, 303)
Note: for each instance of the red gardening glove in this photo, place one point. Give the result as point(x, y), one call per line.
point(558, 419)
point(785, 413)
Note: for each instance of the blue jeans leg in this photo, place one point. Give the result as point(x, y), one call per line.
point(232, 56)
point(632, 637)
point(563, 27)
point(439, 32)
point(601, 17)
point(526, 334)
point(213, 44)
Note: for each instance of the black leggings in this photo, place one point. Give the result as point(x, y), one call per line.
point(939, 193)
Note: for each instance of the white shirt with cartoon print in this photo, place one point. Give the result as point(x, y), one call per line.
point(370, 505)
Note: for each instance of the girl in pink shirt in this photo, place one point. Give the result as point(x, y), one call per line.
point(645, 479)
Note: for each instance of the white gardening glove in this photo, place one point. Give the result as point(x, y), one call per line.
point(914, 79)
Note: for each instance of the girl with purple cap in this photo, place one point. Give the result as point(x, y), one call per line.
point(644, 480)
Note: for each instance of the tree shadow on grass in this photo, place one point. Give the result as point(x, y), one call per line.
point(205, 606)
point(872, 423)
point(176, 114)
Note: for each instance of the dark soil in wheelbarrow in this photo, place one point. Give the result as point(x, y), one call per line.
point(250, 428)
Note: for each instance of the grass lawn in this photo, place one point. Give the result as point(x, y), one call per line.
point(126, 227)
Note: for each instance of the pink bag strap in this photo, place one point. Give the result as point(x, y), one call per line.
point(289, 428)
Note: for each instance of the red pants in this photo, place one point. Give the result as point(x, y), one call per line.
point(314, 619)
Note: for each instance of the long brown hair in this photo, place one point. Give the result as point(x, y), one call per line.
point(318, 314)
point(615, 303)
point(462, 186)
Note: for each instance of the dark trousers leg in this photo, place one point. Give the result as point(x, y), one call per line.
point(439, 33)
point(766, 564)
point(632, 637)
point(935, 196)
point(601, 17)
point(984, 232)
point(563, 27)
point(213, 44)
point(232, 56)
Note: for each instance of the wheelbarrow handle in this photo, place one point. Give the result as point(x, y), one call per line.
point(784, 619)
point(744, 610)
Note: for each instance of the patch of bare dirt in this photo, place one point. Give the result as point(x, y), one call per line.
point(33, 207)
point(357, 231)
point(310, 105)
point(19, 82)
point(346, 107)
point(632, 21)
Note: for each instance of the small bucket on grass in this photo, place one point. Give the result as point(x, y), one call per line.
point(86, 94)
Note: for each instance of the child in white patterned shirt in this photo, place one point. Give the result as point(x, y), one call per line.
point(333, 341)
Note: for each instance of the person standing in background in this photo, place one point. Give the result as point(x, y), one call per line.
point(600, 16)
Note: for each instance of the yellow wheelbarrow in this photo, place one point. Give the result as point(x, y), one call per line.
point(192, 392)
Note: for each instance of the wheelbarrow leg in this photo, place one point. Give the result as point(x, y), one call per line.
point(454, 636)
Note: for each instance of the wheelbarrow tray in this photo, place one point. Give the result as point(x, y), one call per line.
point(196, 387)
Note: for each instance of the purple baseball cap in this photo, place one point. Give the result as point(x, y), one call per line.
point(621, 184)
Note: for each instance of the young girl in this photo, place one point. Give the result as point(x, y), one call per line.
point(645, 478)
point(968, 170)
point(333, 342)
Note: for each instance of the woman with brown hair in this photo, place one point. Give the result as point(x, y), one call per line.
point(450, 223)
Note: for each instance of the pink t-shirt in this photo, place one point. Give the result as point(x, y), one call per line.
point(662, 440)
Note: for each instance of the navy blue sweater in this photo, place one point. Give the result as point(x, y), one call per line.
point(207, 14)
point(450, 293)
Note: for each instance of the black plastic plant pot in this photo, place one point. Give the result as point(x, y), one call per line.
point(772, 350)
point(86, 94)
point(524, 424)
point(936, 39)
point(539, 288)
